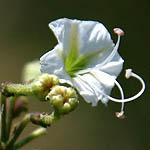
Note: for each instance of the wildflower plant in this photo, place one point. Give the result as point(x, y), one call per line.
point(85, 63)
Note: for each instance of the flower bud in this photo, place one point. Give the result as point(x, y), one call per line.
point(44, 119)
point(66, 107)
point(73, 102)
point(64, 99)
point(43, 84)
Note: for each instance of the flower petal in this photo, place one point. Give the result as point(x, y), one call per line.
point(52, 63)
point(65, 32)
point(91, 88)
point(85, 90)
point(92, 35)
point(106, 81)
point(114, 67)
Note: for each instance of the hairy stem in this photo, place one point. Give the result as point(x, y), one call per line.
point(18, 89)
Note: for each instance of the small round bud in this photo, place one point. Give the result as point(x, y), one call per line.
point(73, 102)
point(66, 108)
point(119, 31)
point(57, 100)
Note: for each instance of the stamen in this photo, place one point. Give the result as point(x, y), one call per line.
point(119, 32)
point(120, 114)
point(129, 73)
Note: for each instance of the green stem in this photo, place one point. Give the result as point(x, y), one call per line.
point(18, 131)
point(37, 89)
point(10, 116)
point(38, 132)
point(18, 89)
point(3, 118)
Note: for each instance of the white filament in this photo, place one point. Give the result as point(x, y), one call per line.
point(122, 95)
point(133, 97)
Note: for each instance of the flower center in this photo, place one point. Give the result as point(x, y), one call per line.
point(80, 63)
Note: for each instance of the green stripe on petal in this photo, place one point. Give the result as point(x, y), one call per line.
point(82, 61)
point(73, 51)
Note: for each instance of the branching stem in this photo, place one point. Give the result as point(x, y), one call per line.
point(18, 131)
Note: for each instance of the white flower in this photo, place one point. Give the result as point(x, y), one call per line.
point(84, 57)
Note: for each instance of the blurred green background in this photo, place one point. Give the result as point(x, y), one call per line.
point(25, 36)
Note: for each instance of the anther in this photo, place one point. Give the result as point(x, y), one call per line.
point(128, 73)
point(120, 115)
point(118, 31)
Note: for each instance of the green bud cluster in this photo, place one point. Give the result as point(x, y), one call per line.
point(63, 99)
point(43, 84)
